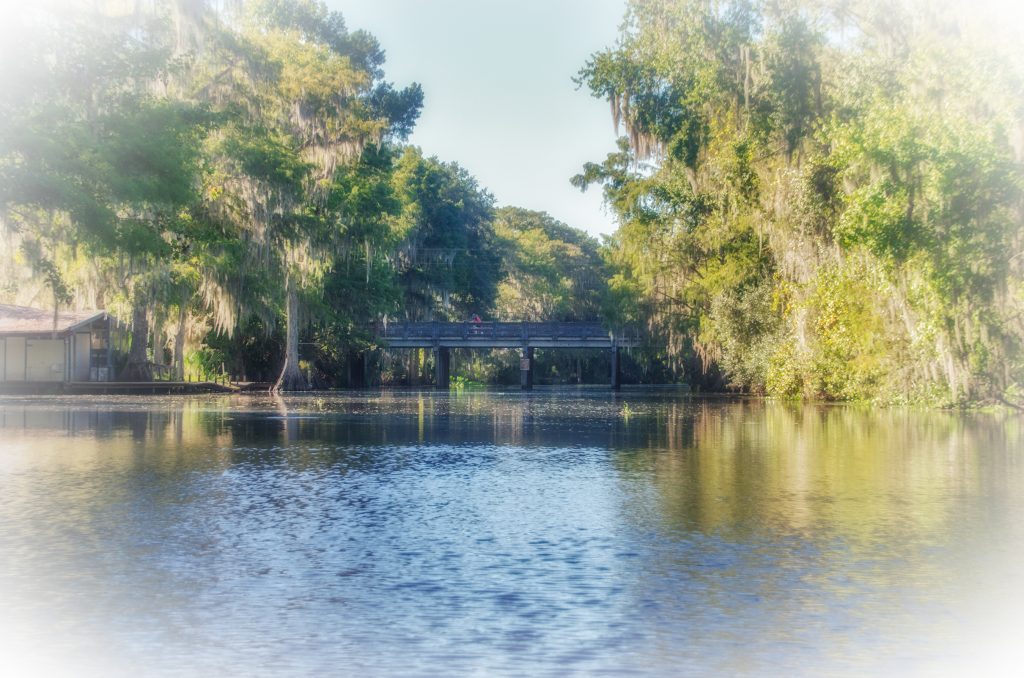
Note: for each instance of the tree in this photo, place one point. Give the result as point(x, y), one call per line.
point(448, 266)
point(550, 271)
point(320, 104)
point(94, 164)
point(820, 200)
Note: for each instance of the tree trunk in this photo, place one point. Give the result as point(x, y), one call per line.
point(291, 378)
point(137, 368)
point(158, 342)
point(179, 345)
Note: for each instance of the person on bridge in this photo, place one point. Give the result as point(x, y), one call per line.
point(476, 323)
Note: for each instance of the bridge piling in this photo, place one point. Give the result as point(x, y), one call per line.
point(616, 379)
point(526, 369)
point(442, 368)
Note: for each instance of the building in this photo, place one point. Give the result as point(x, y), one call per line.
point(39, 348)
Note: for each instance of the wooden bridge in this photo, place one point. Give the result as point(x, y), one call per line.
point(525, 336)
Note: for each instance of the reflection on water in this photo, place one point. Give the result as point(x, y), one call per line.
point(506, 534)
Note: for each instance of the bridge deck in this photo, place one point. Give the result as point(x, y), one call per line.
point(502, 335)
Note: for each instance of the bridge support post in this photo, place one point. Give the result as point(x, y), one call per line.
point(442, 367)
point(526, 369)
point(616, 373)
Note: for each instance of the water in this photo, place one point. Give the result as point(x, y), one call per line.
point(553, 534)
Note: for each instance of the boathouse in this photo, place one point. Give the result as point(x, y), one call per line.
point(38, 347)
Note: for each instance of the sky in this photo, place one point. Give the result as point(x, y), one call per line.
point(498, 92)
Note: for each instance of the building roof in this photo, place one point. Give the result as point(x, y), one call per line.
point(25, 320)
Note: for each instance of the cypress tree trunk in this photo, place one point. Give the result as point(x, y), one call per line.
point(291, 378)
point(137, 368)
point(158, 342)
point(179, 345)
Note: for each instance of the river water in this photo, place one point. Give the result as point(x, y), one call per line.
point(544, 534)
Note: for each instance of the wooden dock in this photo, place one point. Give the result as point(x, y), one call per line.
point(146, 387)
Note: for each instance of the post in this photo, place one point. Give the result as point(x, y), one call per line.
point(110, 353)
point(526, 369)
point(442, 367)
point(616, 375)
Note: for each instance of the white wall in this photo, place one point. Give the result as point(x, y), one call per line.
point(14, 359)
point(45, 360)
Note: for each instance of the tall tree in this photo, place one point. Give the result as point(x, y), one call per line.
point(448, 265)
point(550, 271)
point(95, 163)
point(817, 198)
point(321, 103)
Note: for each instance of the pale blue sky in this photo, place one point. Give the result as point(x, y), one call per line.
point(498, 92)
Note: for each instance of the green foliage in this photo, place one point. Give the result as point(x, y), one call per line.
point(818, 203)
point(850, 340)
point(460, 383)
point(813, 200)
point(204, 364)
point(204, 183)
point(550, 271)
point(447, 261)
point(746, 324)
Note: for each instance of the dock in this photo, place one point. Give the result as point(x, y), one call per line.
point(146, 387)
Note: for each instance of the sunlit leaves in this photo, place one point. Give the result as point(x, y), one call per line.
point(550, 271)
point(449, 265)
point(819, 150)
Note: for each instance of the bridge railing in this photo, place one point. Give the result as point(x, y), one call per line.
point(437, 330)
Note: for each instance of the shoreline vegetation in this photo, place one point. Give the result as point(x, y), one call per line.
point(815, 200)
point(462, 388)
